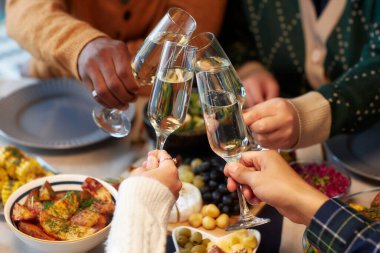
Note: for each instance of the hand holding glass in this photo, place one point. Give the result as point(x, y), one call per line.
point(169, 100)
point(211, 57)
point(225, 129)
point(177, 25)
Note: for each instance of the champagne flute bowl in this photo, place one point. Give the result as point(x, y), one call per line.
point(225, 130)
point(177, 25)
point(169, 100)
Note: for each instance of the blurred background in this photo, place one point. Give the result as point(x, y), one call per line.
point(12, 57)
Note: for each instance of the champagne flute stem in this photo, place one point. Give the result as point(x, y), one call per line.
point(160, 141)
point(244, 210)
point(245, 213)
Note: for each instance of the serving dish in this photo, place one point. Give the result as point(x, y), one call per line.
point(358, 153)
point(366, 202)
point(327, 177)
point(59, 183)
point(18, 168)
point(213, 238)
point(51, 114)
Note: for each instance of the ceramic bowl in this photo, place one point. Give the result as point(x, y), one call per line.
point(211, 237)
point(59, 183)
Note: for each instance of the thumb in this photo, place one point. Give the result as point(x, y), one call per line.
point(239, 173)
point(254, 113)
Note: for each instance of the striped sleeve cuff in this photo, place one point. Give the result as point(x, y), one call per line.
point(314, 118)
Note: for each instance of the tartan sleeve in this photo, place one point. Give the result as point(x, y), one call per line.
point(336, 227)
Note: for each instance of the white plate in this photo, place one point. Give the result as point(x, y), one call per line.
point(359, 153)
point(51, 114)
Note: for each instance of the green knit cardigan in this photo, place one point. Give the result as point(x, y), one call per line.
point(271, 32)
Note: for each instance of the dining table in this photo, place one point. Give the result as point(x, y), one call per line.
point(113, 156)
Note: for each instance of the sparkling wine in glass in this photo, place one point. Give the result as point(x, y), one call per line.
point(169, 100)
point(211, 57)
point(225, 129)
point(176, 26)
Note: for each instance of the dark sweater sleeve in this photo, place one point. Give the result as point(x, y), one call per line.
point(354, 97)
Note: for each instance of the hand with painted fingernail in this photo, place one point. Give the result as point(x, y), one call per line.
point(160, 166)
point(268, 177)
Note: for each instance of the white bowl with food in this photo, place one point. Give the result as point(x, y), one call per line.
point(61, 213)
point(189, 239)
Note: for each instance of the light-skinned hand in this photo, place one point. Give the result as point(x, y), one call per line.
point(274, 123)
point(268, 177)
point(160, 166)
point(104, 65)
point(259, 87)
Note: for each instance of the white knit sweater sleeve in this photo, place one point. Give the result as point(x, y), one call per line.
point(141, 216)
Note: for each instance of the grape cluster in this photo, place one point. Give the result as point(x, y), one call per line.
point(214, 189)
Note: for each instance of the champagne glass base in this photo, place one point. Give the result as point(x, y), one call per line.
point(249, 222)
point(112, 121)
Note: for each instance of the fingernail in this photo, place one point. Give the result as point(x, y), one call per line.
point(150, 159)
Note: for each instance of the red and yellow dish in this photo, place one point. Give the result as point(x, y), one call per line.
point(64, 215)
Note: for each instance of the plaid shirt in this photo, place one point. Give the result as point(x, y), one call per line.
point(336, 227)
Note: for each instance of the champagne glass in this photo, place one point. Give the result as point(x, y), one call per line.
point(225, 129)
point(211, 57)
point(177, 26)
point(171, 92)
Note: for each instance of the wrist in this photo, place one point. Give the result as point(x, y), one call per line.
point(308, 202)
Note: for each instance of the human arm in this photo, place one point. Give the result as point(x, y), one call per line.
point(260, 85)
point(43, 27)
point(143, 206)
point(72, 48)
point(332, 225)
point(338, 228)
point(268, 177)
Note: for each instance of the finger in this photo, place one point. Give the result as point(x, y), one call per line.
point(114, 84)
point(124, 69)
point(165, 159)
point(279, 138)
point(266, 125)
point(90, 86)
point(273, 90)
point(103, 94)
point(250, 159)
point(231, 185)
point(248, 194)
point(152, 162)
point(256, 92)
point(138, 171)
point(240, 173)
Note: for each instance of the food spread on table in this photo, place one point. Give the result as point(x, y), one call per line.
point(16, 169)
point(324, 177)
point(372, 211)
point(64, 215)
point(194, 117)
point(191, 240)
point(207, 175)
